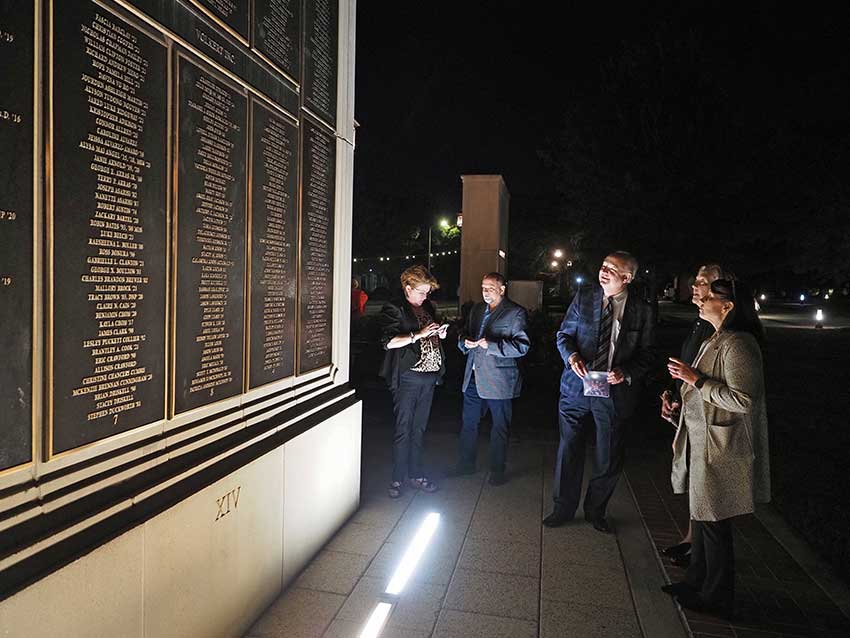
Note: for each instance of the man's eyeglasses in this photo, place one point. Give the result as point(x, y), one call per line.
point(609, 269)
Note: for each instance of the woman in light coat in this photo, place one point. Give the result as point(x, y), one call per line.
point(720, 453)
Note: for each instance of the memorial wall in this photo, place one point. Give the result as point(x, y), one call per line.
point(186, 209)
point(170, 273)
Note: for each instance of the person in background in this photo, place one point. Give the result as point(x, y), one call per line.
point(493, 339)
point(606, 329)
point(358, 299)
point(413, 364)
point(671, 401)
point(721, 451)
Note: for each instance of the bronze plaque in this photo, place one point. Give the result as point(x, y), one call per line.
point(315, 289)
point(320, 58)
point(232, 14)
point(274, 237)
point(16, 227)
point(277, 33)
point(210, 225)
point(108, 227)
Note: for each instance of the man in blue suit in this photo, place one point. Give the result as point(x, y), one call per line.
point(609, 330)
point(493, 339)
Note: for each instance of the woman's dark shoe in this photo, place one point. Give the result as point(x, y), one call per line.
point(395, 489)
point(694, 601)
point(676, 589)
point(676, 550)
point(424, 484)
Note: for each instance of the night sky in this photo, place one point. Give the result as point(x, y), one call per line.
point(743, 112)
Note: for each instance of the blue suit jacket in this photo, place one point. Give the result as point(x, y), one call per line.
point(496, 373)
point(633, 353)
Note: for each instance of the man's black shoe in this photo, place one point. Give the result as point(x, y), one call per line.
point(601, 525)
point(459, 470)
point(558, 517)
point(497, 478)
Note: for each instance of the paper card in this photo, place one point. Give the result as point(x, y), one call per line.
point(596, 384)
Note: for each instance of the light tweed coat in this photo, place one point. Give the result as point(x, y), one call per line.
point(724, 424)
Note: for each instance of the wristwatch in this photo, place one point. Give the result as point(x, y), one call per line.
point(700, 382)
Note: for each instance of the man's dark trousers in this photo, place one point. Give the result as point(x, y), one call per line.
point(608, 454)
point(474, 407)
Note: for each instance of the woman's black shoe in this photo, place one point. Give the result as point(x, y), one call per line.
point(677, 589)
point(676, 550)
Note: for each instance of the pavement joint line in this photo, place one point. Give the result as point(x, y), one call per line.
point(460, 552)
point(633, 586)
point(540, 562)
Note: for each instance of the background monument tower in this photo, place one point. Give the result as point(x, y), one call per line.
point(484, 241)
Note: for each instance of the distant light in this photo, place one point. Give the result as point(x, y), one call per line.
point(570, 263)
point(826, 296)
point(558, 253)
point(381, 258)
point(819, 315)
point(554, 264)
point(763, 296)
point(376, 621)
point(579, 280)
point(430, 254)
point(459, 223)
point(413, 554)
point(370, 270)
point(646, 271)
point(355, 260)
point(802, 298)
point(444, 223)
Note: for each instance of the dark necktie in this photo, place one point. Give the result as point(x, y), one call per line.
point(600, 361)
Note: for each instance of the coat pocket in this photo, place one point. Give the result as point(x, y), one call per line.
point(728, 441)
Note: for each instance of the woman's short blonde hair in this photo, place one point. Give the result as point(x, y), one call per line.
point(416, 276)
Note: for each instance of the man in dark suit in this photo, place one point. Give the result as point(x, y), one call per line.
point(493, 339)
point(605, 329)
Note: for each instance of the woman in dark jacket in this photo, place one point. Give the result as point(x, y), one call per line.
point(413, 364)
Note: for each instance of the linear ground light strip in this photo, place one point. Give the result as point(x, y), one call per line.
point(376, 621)
point(413, 554)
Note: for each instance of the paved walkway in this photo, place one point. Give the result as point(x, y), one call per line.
point(491, 569)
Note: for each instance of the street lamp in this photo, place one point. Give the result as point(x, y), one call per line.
point(558, 253)
point(444, 223)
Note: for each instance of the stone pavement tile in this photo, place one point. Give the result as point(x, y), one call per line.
point(505, 525)
point(435, 566)
point(522, 559)
point(459, 624)
point(348, 629)
point(357, 538)
point(561, 619)
point(298, 613)
point(417, 606)
point(605, 586)
point(380, 510)
point(580, 544)
point(335, 572)
point(494, 594)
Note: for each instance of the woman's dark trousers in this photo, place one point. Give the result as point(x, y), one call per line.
point(412, 407)
point(712, 568)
